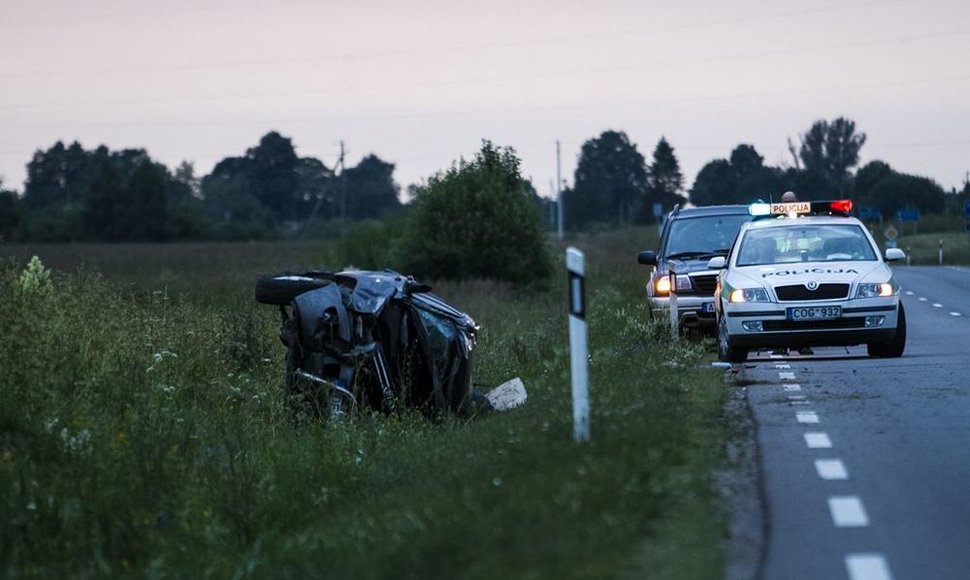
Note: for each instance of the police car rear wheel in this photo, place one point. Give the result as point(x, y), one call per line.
point(725, 351)
point(895, 347)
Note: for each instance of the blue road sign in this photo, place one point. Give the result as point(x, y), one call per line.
point(908, 215)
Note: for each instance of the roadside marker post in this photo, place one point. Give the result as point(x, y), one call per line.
point(941, 252)
point(674, 313)
point(578, 349)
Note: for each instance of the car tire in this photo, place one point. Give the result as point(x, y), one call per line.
point(727, 352)
point(895, 347)
point(281, 289)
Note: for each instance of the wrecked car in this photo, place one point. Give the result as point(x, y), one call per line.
point(365, 339)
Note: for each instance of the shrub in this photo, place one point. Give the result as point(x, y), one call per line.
point(476, 221)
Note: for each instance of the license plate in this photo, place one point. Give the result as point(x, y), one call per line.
point(814, 313)
point(707, 308)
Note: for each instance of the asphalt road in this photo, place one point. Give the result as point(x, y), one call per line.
point(866, 462)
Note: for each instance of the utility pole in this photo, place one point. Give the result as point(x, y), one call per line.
point(320, 198)
point(559, 190)
point(343, 190)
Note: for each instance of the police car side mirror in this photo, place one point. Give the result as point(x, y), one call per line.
point(894, 254)
point(717, 263)
point(647, 258)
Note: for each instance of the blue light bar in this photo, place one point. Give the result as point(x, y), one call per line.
point(759, 209)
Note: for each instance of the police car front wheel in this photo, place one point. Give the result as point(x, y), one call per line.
point(725, 350)
point(893, 348)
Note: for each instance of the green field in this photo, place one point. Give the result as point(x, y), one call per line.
point(143, 433)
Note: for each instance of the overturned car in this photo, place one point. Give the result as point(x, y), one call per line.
point(365, 339)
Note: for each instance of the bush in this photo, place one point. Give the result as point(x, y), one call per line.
point(371, 245)
point(476, 221)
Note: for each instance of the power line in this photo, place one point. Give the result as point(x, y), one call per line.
point(436, 49)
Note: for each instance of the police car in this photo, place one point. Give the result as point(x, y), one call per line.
point(807, 274)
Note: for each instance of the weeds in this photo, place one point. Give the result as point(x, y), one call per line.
point(143, 432)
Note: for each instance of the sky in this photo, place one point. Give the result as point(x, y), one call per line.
point(420, 83)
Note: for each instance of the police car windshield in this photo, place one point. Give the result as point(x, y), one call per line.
point(702, 236)
point(785, 244)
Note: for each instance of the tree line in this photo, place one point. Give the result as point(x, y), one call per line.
point(72, 194)
point(269, 192)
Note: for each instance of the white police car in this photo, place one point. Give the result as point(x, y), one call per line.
point(807, 274)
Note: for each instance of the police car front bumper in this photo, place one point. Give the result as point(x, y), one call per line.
point(767, 325)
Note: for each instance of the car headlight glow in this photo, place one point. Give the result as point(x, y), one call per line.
point(874, 290)
point(749, 295)
point(662, 285)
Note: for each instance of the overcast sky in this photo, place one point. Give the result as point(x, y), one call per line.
point(421, 82)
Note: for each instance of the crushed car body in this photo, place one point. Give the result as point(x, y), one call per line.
point(368, 339)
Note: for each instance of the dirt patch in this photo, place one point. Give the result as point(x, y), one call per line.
point(740, 487)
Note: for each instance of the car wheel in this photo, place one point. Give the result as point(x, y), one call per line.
point(280, 290)
point(895, 347)
point(725, 350)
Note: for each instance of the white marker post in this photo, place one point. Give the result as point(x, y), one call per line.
point(941, 252)
point(672, 302)
point(578, 350)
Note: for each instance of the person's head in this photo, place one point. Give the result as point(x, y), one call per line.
point(788, 197)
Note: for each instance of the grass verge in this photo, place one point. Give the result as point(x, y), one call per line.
point(142, 433)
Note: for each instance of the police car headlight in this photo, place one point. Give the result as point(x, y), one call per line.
point(874, 290)
point(749, 295)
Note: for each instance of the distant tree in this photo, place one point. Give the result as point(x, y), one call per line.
point(664, 180)
point(879, 185)
point(235, 213)
point(746, 160)
point(903, 191)
point(831, 150)
point(106, 213)
point(867, 178)
point(271, 169)
point(10, 209)
point(716, 183)
point(59, 176)
point(476, 221)
point(370, 189)
point(147, 212)
point(185, 175)
point(609, 183)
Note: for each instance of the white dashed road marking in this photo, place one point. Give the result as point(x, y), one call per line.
point(867, 567)
point(818, 440)
point(937, 305)
point(782, 366)
point(954, 314)
point(792, 387)
point(786, 376)
point(807, 416)
point(848, 512)
point(909, 292)
point(921, 299)
point(831, 469)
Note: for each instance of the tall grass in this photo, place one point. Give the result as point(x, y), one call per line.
point(143, 433)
